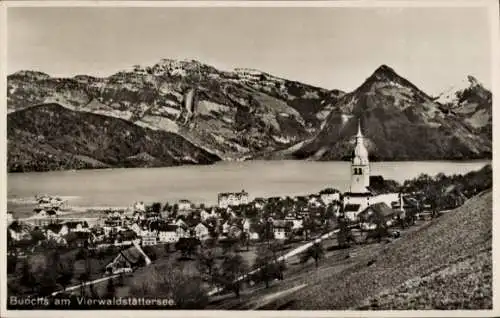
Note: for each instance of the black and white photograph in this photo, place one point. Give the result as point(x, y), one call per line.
point(330, 156)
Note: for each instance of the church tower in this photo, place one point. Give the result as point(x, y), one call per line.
point(360, 166)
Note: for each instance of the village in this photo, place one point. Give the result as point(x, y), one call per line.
point(125, 240)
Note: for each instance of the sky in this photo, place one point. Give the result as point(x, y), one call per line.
point(334, 48)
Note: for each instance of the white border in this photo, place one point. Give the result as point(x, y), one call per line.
point(492, 5)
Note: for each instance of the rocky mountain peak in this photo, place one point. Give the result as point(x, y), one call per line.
point(385, 76)
point(384, 69)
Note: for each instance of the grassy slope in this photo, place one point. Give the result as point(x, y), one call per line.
point(467, 282)
point(455, 246)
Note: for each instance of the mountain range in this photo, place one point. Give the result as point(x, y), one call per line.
point(186, 112)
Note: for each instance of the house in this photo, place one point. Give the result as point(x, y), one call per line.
point(113, 222)
point(79, 239)
point(181, 223)
point(139, 207)
point(19, 231)
point(296, 223)
point(227, 199)
point(254, 236)
point(204, 215)
point(128, 259)
point(127, 235)
point(57, 229)
point(281, 229)
point(329, 196)
point(169, 233)
point(225, 227)
point(351, 211)
point(165, 214)
point(378, 214)
point(259, 203)
point(149, 238)
point(136, 228)
point(185, 205)
point(394, 200)
point(115, 214)
point(314, 201)
point(75, 226)
point(201, 232)
point(53, 230)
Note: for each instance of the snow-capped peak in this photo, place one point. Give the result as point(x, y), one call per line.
point(449, 95)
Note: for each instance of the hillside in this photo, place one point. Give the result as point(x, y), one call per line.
point(400, 122)
point(445, 264)
point(51, 137)
point(232, 114)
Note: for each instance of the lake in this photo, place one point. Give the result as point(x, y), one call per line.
point(200, 184)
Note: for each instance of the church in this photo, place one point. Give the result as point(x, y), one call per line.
point(360, 195)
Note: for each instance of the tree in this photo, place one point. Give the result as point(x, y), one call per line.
point(269, 267)
point(110, 289)
point(232, 269)
point(12, 261)
point(167, 207)
point(156, 207)
point(175, 210)
point(245, 240)
point(309, 226)
point(65, 272)
point(37, 236)
point(64, 269)
point(265, 230)
point(344, 235)
point(187, 246)
point(85, 278)
point(316, 252)
point(206, 259)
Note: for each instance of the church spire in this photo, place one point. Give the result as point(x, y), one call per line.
point(360, 152)
point(359, 135)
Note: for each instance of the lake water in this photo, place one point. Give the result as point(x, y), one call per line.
point(200, 184)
